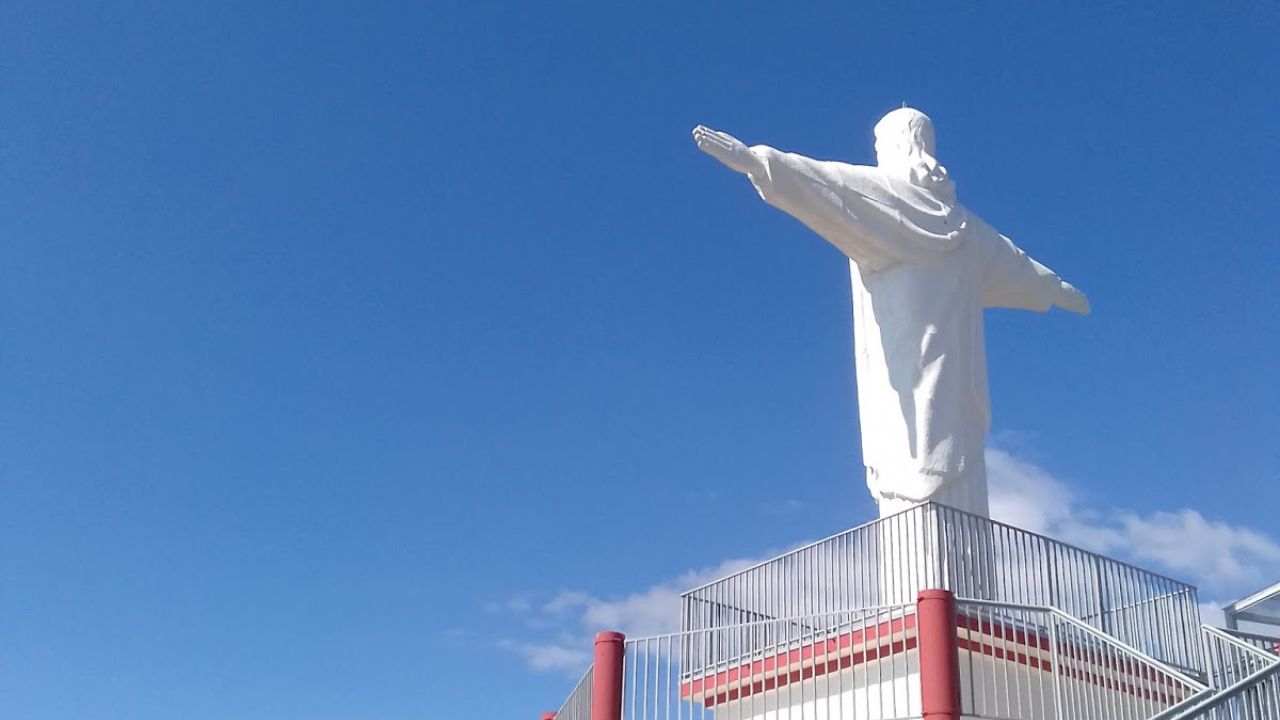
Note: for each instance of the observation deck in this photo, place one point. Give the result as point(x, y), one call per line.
point(935, 613)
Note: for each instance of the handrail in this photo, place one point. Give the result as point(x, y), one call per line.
point(789, 553)
point(1029, 660)
point(1253, 639)
point(577, 706)
point(1232, 692)
point(1095, 633)
point(1206, 703)
point(1144, 601)
point(1074, 548)
point(1229, 636)
point(856, 612)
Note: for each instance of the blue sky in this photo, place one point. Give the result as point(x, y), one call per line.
point(360, 358)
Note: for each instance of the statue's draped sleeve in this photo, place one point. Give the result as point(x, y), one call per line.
point(1012, 279)
point(856, 209)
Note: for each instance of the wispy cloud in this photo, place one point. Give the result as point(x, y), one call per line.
point(1224, 560)
point(559, 656)
point(570, 618)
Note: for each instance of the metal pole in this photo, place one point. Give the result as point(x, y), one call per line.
point(606, 678)
point(1056, 666)
point(939, 655)
point(1102, 594)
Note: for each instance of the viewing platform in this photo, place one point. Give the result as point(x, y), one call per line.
point(935, 613)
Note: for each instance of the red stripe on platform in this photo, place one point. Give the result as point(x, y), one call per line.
point(1165, 682)
point(838, 652)
point(776, 670)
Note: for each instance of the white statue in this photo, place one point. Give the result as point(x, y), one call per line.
point(923, 268)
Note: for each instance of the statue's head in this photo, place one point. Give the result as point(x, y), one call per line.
point(905, 147)
point(903, 135)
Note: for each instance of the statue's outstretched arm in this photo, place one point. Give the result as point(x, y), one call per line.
point(1064, 294)
point(1013, 279)
point(727, 149)
point(826, 196)
point(1071, 299)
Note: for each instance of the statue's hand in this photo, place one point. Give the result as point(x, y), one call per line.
point(726, 148)
point(1071, 299)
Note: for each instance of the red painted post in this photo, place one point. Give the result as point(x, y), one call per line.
point(606, 677)
point(939, 655)
point(548, 716)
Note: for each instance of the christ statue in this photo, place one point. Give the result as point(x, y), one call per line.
point(923, 268)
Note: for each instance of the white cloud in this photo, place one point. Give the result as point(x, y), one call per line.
point(1220, 555)
point(1025, 495)
point(566, 602)
point(552, 656)
point(1211, 614)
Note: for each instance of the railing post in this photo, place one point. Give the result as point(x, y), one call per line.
point(1102, 595)
point(1055, 667)
point(939, 655)
point(606, 677)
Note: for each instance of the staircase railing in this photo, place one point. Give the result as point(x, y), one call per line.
point(1246, 679)
point(578, 705)
point(1230, 659)
point(1022, 661)
point(1263, 642)
point(1255, 697)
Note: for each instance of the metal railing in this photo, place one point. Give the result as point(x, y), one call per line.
point(1247, 678)
point(839, 666)
point(1255, 697)
point(578, 705)
point(1019, 661)
point(1262, 642)
point(888, 561)
point(1230, 659)
point(1016, 661)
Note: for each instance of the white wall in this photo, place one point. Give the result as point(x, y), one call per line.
point(886, 689)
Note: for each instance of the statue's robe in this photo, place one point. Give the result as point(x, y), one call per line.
point(923, 269)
